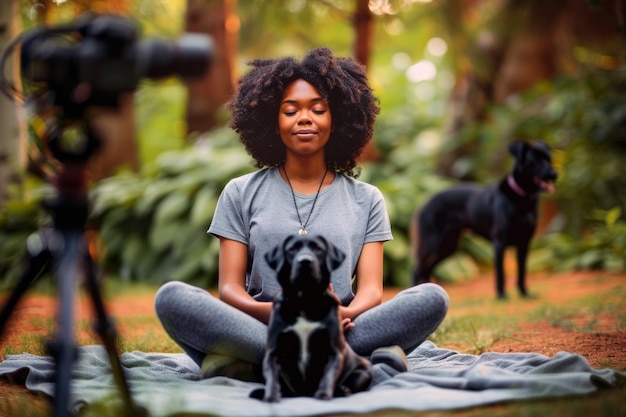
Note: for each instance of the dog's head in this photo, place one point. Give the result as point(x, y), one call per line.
point(304, 262)
point(533, 167)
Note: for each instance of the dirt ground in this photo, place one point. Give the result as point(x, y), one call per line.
point(599, 336)
point(603, 343)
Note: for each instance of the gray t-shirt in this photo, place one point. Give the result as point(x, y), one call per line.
point(257, 209)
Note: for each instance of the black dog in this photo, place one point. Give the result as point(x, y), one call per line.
point(505, 213)
point(306, 352)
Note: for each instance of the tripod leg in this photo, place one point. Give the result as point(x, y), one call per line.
point(37, 259)
point(107, 332)
point(63, 347)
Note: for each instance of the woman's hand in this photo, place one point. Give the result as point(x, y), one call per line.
point(347, 323)
point(369, 291)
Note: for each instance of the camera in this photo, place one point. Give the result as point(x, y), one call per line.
point(90, 63)
point(97, 58)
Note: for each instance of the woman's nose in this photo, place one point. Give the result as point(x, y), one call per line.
point(304, 118)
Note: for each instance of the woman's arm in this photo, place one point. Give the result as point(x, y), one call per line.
point(369, 273)
point(233, 262)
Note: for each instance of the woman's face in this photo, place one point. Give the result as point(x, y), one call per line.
point(304, 119)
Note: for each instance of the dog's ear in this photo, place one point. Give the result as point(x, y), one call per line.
point(275, 257)
point(517, 149)
point(543, 148)
point(334, 256)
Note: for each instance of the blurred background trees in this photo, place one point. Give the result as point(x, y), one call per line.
point(458, 81)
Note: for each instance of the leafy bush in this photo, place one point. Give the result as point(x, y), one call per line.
point(585, 119)
point(21, 216)
point(153, 224)
point(603, 247)
point(17, 221)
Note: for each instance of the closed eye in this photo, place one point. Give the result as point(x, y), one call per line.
point(293, 112)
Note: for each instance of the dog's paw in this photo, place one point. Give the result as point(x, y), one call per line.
point(529, 296)
point(271, 398)
point(358, 381)
point(261, 394)
point(323, 395)
point(267, 395)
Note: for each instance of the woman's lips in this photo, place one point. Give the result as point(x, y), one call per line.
point(305, 134)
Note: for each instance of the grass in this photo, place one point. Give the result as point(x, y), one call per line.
point(473, 326)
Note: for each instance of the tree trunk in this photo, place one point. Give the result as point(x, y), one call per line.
point(363, 26)
point(116, 128)
point(119, 146)
point(207, 95)
point(12, 133)
point(363, 21)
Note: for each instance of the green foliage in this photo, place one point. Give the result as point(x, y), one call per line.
point(19, 218)
point(153, 224)
point(160, 115)
point(588, 115)
point(602, 248)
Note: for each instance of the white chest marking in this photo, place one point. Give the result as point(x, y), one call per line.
point(303, 328)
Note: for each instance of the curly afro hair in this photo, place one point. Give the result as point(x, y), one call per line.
point(341, 81)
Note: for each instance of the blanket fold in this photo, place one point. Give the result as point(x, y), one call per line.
point(438, 379)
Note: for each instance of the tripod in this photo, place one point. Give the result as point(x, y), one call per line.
point(63, 249)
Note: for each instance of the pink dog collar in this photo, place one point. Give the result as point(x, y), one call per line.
point(515, 187)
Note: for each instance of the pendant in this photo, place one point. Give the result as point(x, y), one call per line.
point(302, 232)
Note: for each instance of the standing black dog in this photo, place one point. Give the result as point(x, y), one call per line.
point(505, 213)
point(306, 352)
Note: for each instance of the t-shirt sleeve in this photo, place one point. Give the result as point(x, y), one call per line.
point(228, 219)
point(378, 226)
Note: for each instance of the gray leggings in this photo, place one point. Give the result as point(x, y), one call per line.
point(201, 323)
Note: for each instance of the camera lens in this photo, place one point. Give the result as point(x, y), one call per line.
point(188, 56)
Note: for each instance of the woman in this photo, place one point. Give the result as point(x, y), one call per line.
point(304, 123)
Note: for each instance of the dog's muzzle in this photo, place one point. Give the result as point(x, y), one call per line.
point(306, 265)
point(546, 181)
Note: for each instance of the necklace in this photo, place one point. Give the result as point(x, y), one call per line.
point(302, 230)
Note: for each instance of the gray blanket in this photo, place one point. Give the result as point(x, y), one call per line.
point(438, 379)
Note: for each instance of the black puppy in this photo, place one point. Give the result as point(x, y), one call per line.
point(505, 213)
point(306, 352)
